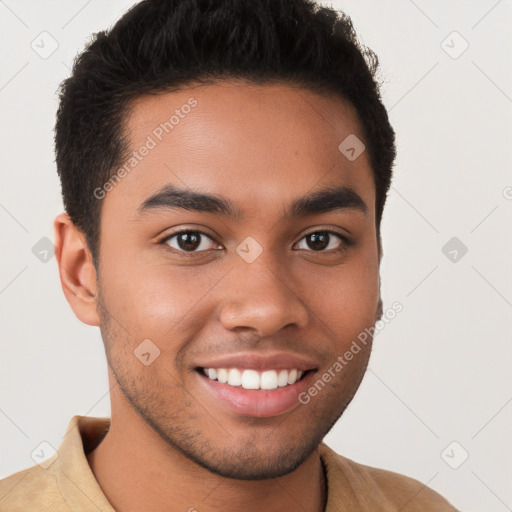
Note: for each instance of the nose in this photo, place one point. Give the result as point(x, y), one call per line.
point(261, 299)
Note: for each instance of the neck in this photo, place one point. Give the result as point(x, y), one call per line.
point(137, 470)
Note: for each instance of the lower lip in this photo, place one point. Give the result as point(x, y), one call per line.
point(255, 402)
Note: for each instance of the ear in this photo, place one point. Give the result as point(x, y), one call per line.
point(378, 314)
point(76, 269)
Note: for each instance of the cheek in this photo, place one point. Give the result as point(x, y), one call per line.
point(346, 298)
point(153, 300)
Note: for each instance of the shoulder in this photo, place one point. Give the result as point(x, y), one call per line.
point(399, 491)
point(31, 490)
point(407, 493)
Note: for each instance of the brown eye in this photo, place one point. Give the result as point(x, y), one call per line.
point(319, 241)
point(189, 241)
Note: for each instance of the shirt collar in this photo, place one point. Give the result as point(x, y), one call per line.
point(75, 478)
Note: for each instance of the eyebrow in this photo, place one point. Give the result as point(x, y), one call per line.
point(322, 201)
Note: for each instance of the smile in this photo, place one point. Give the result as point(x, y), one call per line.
point(254, 379)
point(257, 393)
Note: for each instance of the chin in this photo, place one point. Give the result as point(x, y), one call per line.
point(246, 464)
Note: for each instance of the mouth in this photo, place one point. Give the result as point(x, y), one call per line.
point(254, 379)
point(255, 393)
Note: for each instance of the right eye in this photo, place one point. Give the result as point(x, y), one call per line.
point(188, 241)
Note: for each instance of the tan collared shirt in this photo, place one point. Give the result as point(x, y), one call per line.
point(65, 482)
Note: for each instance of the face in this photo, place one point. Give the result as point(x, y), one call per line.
point(240, 244)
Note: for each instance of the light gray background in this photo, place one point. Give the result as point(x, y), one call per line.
point(440, 371)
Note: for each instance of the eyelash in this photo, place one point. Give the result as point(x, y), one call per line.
point(192, 254)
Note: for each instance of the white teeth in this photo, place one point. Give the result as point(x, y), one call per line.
point(282, 379)
point(222, 375)
point(234, 377)
point(252, 379)
point(292, 376)
point(269, 380)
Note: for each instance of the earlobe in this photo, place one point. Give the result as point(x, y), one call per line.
point(76, 269)
point(380, 311)
point(380, 307)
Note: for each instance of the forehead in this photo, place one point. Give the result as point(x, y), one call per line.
point(256, 144)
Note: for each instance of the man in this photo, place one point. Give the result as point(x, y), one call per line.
point(224, 168)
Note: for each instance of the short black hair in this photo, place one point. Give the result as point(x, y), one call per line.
point(163, 45)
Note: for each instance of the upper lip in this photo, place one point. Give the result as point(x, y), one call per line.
point(261, 361)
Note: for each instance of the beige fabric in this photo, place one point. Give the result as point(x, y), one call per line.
point(68, 484)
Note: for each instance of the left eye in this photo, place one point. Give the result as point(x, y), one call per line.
point(322, 241)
